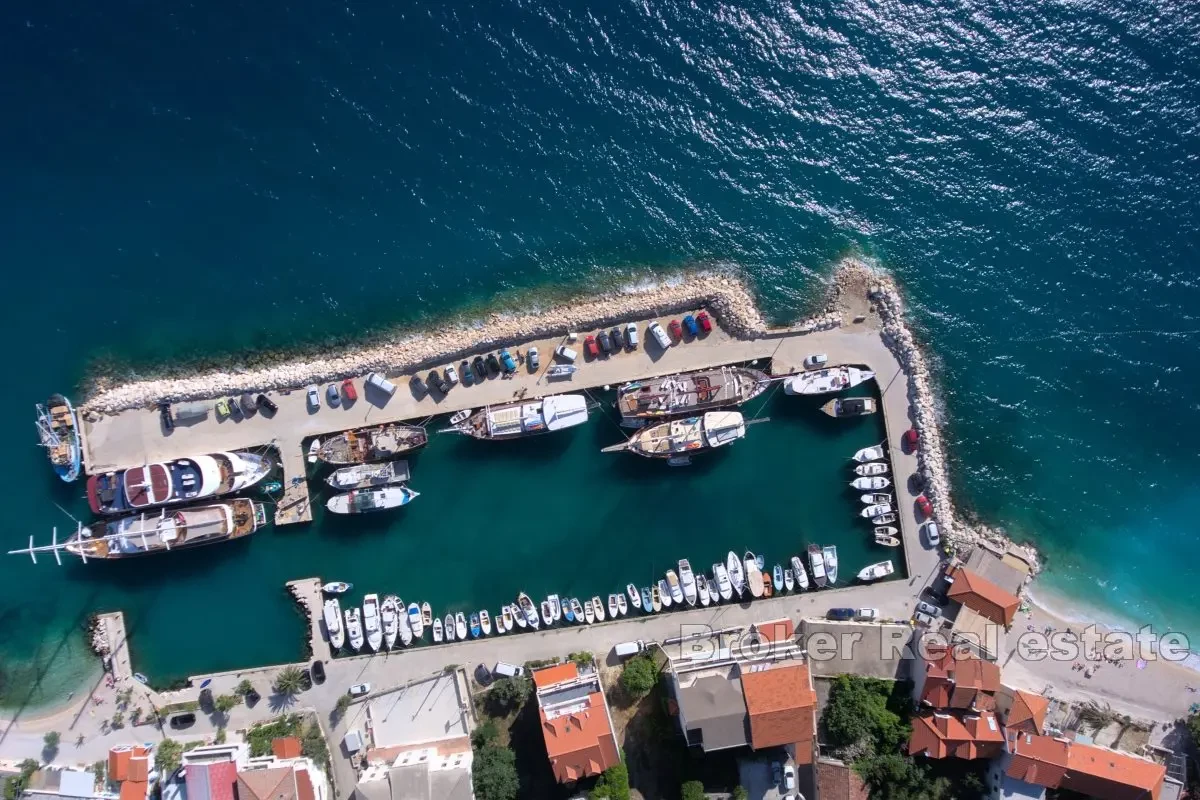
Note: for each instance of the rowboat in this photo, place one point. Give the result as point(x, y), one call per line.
point(871, 469)
point(449, 626)
point(612, 606)
point(437, 631)
point(871, 483)
point(426, 614)
point(884, 519)
point(460, 626)
point(884, 539)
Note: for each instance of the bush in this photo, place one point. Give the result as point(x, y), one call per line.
point(51, 740)
point(613, 784)
point(508, 694)
point(244, 688)
point(895, 777)
point(692, 790)
point(14, 787)
point(494, 774)
point(220, 737)
point(167, 756)
point(343, 704)
point(484, 735)
point(226, 703)
point(118, 719)
point(259, 737)
point(582, 659)
point(639, 675)
point(740, 793)
point(858, 715)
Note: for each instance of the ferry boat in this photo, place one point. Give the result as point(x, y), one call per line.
point(850, 407)
point(816, 563)
point(874, 572)
point(689, 392)
point(368, 476)
point(58, 432)
point(173, 482)
point(827, 381)
point(333, 623)
point(678, 439)
point(364, 501)
point(526, 418)
point(372, 444)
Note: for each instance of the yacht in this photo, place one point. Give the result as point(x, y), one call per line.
point(173, 482)
point(389, 614)
point(371, 624)
point(524, 418)
point(687, 393)
point(354, 629)
point(827, 381)
point(333, 623)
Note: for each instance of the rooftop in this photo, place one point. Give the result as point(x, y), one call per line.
point(713, 707)
point(968, 736)
point(781, 705)
point(211, 781)
point(957, 678)
point(1083, 768)
point(1006, 572)
point(1028, 712)
point(422, 712)
point(836, 781)
point(982, 595)
point(285, 747)
point(272, 783)
point(576, 727)
point(559, 673)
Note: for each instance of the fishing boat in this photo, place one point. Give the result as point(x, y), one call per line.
point(870, 484)
point(168, 483)
point(656, 604)
point(875, 572)
point(886, 530)
point(476, 629)
point(377, 443)
point(589, 613)
point(368, 476)
point(313, 448)
point(524, 418)
point(622, 604)
point(612, 606)
point(58, 432)
point(337, 587)
point(827, 381)
point(519, 616)
point(405, 630)
point(354, 629)
point(687, 393)
point(577, 610)
point(798, 572)
point(675, 588)
point(555, 608)
point(884, 539)
point(702, 590)
point(777, 578)
point(875, 510)
point(598, 607)
point(681, 438)
point(722, 584)
point(875, 498)
point(460, 626)
point(634, 597)
point(364, 501)
point(714, 591)
point(507, 615)
point(687, 581)
point(850, 407)
point(416, 621)
point(528, 610)
point(816, 563)
point(789, 582)
point(333, 623)
point(437, 631)
point(871, 469)
point(829, 553)
point(567, 612)
point(754, 576)
point(449, 627)
point(547, 614)
point(884, 519)
point(872, 453)
point(737, 577)
point(426, 614)
point(371, 624)
point(389, 616)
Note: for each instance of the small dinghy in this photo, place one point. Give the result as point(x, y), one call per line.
point(622, 605)
point(870, 469)
point(437, 631)
point(702, 590)
point(474, 625)
point(506, 614)
point(798, 572)
point(577, 610)
point(664, 594)
point(870, 484)
point(634, 597)
point(736, 577)
point(547, 614)
point(416, 621)
point(876, 510)
point(884, 519)
point(874, 453)
point(777, 578)
point(647, 604)
point(874, 572)
point(831, 562)
point(337, 587)
point(655, 599)
point(589, 613)
point(789, 582)
point(449, 627)
point(460, 626)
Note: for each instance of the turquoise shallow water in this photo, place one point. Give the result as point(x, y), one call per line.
point(183, 181)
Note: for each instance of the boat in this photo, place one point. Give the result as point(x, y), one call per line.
point(377, 443)
point(713, 591)
point(687, 393)
point(141, 678)
point(884, 519)
point(754, 576)
point(886, 530)
point(158, 532)
point(388, 613)
point(313, 447)
point(337, 587)
point(167, 483)
point(567, 612)
point(816, 563)
point(724, 585)
point(415, 621)
point(762, 562)
point(789, 582)
point(656, 604)
point(525, 418)
point(368, 476)
point(736, 576)
point(870, 484)
point(555, 608)
point(871, 469)
point(799, 574)
point(460, 626)
point(875, 510)
point(577, 610)
point(622, 604)
point(877, 571)
point(506, 614)
point(58, 432)
point(363, 501)
point(371, 624)
point(768, 590)
point(402, 626)
point(561, 370)
point(475, 627)
point(850, 407)
point(598, 607)
point(827, 381)
point(426, 614)
point(872, 453)
point(634, 597)
point(437, 631)
point(674, 588)
point(683, 437)
point(519, 616)
point(333, 623)
point(528, 610)
point(777, 578)
point(612, 606)
point(831, 563)
point(449, 626)
point(875, 498)
point(702, 590)
point(884, 539)
point(687, 581)
point(547, 614)
point(354, 631)
point(589, 613)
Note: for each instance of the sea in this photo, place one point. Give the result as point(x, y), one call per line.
point(190, 185)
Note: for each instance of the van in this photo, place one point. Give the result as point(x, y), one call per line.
point(627, 649)
point(506, 670)
point(381, 383)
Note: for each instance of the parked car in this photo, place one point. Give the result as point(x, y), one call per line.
point(480, 369)
point(631, 337)
point(314, 398)
point(381, 383)
point(532, 359)
point(235, 410)
point(589, 347)
point(419, 386)
point(185, 720)
point(627, 649)
point(789, 777)
point(705, 322)
point(266, 403)
point(318, 672)
point(618, 339)
point(922, 618)
point(435, 380)
point(331, 395)
point(507, 360)
point(565, 353)
point(925, 506)
point(451, 374)
point(928, 608)
point(841, 614)
point(506, 670)
point(816, 361)
point(468, 376)
point(493, 364)
point(659, 335)
point(866, 615)
point(222, 408)
point(689, 325)
point(932, 535)
point(164, 414)
point(483, 675)
point(349, 393)
point(359, 689)
point(676, 330)
point(605, 342)
point(776, 772)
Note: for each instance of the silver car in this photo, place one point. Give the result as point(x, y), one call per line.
point(923, 619)
point(929, 608)
point(631, 336)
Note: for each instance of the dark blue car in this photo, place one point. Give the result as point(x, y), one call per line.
point(689, 324)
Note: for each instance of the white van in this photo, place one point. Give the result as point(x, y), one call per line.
point(659, 335)
point(506, 670)
point(627, 649)
point(381, 383)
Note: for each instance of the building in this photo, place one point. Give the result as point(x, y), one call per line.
point(956, 735)
point(1023, 711)
point(1032, 763)
point(576, 725)
point(837, 781)
point(982, 596)
point(955, 678)
point(58, 783)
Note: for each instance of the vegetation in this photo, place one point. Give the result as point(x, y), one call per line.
point(582, 659)
point(692, 790)
point(260, 736)
point(50, 742)
point(167, 756)
point(220, 737)
point(125, 695)
point(98, 769)
point(494, 773)
point(118, 719)
point(613, 784)
point(244, 688)
point(226, 703)
point(867, 715)
point(740, 793)
point(485, 734)
point(507, 694)
point(175, 708)
point(343, 704)
point(15, 786)
point(538, 663)
point(135, 716)
point(290, 682)
point(639, 675)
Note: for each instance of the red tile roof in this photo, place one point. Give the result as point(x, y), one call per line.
point(556, 674)
point(782, 706)
point(285, 747)
point(957, 678)
point(119, 757)
point(304, 785)
point(139, 768)
point(580, 743)
point(275, 783)
point(943, 735)
point(1041, 760)
point(1084, 768)
point(839, 782)
point(213, 781)
point(776, 630)
point(133, 790)
point(981, 595)
point(1028, 712)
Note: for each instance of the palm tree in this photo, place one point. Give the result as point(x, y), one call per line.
point(289, 682)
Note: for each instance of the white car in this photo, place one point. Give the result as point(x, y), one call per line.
point(451, 375)
point(789, 777)
point(659, 335)
point(314, 398)
point(631, 338)
point(566, 353)
point(816, 361)
point(929, 608)
point(866, 614)
point(359, 689)
point(932, 535)
point(923, 619)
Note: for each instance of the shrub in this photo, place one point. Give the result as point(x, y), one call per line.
point(14, 787)
point(167, 756)
point(220, 737)
point(692, 790)
point(118, 719)
point(639, 675)
point(582, 659)
point(507, 694)
point(613, 784)
point(51, 740)
point(484, 735)
point(858, 715)
point(244, 688)
point(226, 703)
point(494, 774)
point(343, 704)
point(740, 793)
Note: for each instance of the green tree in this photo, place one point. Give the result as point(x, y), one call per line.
point(225, 703)
point(14, 787)
point(135, 716)
point(167, 756)
point(858, 714)
point(343, 704)
point(244, 688)
point(639, 675)
point(50, 744)
point(98, 770)
point(692, 790)
point(894, 777)
point(289, 682)
point(740, 793)
point(485, 734)
point(220, 737)
point(494, 774)
point(507, 694)
point(118, 719)
point(613, 784)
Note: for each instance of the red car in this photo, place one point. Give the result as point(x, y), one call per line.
point(348, 390)
point(925, 506)
point(705, 322)
point(590, 348)
point(911, 437)
point(676, 330)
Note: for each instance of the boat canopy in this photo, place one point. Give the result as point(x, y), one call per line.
point(564, 410)
point(551, 414)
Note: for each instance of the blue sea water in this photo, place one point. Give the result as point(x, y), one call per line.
point(184, 181)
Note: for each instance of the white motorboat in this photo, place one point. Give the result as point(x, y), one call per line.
point(337, 587)
point(850, 407)
point(647, 600)
point(388, 613)
point(416, 621)
point(886, 530)
point(884, 519)
point(314, 447)
point(789, 582)
point(737, 578)
point(365, 501)
point(485, 622)
point(612, 606)
point(754, 576)
point(528, 610)
point(634, 597)
point(798, 572)
point(724, 585)
point(402, 626)
point(555, 608)
point(875, 498)
point(622, 604)
point(333, 623)
point(547, 614)
point(498, 620)
point(884, 539)
point(664, 593)
point(561, 371)
point(870, 484)
point(656, 603)
point(875, 572)
point(368, 476)
point(578, 610)
point(506, 614)
point(777, 578)
point(875, 510)
point(518, 615)
point(437, 630)
point(702, 590)
point(872, 453)
point(816, 563)
point(371, 624)
point(449, 626)
point(598, 607)
point(688, 581)
point(675, 588)
point(831, 562)
point(354, 629)
point(426, 614)
point(714, 591)
point(460, 626)
point(589, 613)
point(827, 381)
point(871, 469)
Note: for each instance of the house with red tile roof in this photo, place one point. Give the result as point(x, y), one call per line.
point(1026, 712)
point(982, 596)
point(782, 708)
point(956, 735)
point(1032, 763)
point(576, 725)
point(955, 678)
